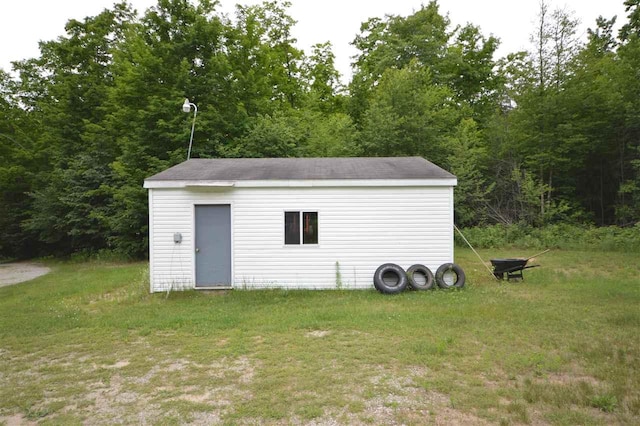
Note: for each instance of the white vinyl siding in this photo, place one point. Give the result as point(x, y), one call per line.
point(360, 228)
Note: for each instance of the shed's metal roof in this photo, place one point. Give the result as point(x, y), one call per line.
point(232, 169)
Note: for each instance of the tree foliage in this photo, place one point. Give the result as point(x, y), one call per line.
point(542, 136)
point(409, 115)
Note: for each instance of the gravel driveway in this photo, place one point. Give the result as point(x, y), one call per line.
point(14, 273)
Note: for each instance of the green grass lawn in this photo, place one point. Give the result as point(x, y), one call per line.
point(88, 344)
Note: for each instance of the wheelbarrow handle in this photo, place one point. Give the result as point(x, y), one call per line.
point(538, 254)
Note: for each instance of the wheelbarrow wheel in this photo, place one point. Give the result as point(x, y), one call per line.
point(450, 275)
point(390, 279)
point(420, 277)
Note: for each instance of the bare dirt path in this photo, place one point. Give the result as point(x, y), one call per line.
point(14, 273)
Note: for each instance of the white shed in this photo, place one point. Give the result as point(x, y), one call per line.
point(313, 223)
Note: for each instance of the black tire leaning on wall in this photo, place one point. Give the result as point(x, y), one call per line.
point(386, 288)
point(460, 277)
point(420, 269)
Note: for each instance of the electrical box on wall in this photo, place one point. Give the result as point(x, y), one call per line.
point(177, 238)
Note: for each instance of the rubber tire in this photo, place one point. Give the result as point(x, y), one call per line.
point(427, 273)
point(460, 277)
point(382, 287)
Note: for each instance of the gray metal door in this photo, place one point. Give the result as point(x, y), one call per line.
point(213, 246)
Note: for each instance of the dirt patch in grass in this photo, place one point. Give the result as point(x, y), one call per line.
point(171, 389)
point(394, 397)
point(128, 393)
point(109, 402)
point(318, 333)
point(205, 419)
point(119, 364)
point(567, 379)
point(16, 420)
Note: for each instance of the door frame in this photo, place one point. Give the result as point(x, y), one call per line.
point(193, 242)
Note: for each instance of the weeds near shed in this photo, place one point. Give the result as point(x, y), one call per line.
point(338, 276)
point(606, 402)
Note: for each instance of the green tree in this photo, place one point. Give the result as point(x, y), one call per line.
point(393, 43)
point(297, 133)
point(628, 206)
point(409, 115)
point(459, 58)
point(330, 135)
point(175, 51)
point(19, 163)
point(65, 90)
point(468, 161)
point(539, 117)
point(468, 69)
point(265, 64)
point(324, 91)
point(269, 136)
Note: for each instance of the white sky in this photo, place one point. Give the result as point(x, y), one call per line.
point(25, 22)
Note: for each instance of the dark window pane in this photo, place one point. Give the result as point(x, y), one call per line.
point(310, 228)
point(292, 227)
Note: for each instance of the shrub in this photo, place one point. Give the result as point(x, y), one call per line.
point(558, 236)
point(606, 403)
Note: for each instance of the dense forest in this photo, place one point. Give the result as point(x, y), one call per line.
point(543, 136)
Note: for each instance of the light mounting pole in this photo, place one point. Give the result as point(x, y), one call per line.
point(186, 107)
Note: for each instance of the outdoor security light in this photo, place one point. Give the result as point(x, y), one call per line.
point(186, 107)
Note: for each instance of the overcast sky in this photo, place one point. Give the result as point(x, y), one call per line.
point(25, 22)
